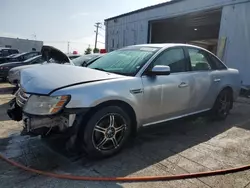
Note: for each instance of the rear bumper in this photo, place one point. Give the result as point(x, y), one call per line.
point(64, 123)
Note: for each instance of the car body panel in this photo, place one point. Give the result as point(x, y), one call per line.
point(33, 80)
point(161, 93)
point(123, 88)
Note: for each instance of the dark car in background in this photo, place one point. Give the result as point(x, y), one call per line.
point(19, 57)
point(5, 67)
point(4, 52)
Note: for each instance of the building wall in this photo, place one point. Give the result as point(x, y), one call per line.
point(133, 28)
point(23, 45)
point(235, 26)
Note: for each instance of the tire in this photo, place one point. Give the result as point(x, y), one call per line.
point(222, 105)
point(100, 138)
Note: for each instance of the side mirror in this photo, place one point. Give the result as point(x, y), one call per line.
point(159, 70)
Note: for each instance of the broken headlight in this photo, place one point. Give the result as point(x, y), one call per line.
point(45, 105)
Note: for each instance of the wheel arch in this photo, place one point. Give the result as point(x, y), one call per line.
point(122, 104)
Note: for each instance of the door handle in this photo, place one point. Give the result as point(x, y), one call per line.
point(183, 84)
point(217, 80)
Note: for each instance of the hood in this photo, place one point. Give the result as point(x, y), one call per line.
point(49, 52)
point(50, 77)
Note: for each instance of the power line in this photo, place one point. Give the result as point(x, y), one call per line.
point(97, 25)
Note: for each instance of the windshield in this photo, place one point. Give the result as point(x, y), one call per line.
point(85, 58)
point(125, 61)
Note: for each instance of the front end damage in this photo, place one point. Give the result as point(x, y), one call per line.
point(62, 124)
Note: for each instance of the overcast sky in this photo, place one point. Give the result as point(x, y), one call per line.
point(58, 21)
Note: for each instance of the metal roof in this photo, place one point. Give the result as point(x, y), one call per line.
point(144, 9)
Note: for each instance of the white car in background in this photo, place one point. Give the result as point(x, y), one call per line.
point(56, 57)
point(14, 73)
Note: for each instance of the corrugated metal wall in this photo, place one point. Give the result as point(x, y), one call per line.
point(133, 28)
point(235, 26)
point(22, 45)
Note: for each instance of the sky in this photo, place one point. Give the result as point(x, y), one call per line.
point(57, 21)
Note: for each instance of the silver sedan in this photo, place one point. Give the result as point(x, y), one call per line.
point(103, 105)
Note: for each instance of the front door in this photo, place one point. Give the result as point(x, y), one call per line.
point(167, 96)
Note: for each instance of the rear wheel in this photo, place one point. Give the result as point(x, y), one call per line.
point(223, 105)
point(106, 132)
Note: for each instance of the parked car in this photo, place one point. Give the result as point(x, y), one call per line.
point(83, 60)
point(14, 73)
point(5, 67)
point(7, 51)
point(19, 57)
point(73, 56)
point(104, 104)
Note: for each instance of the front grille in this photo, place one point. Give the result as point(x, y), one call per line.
point(21, 98)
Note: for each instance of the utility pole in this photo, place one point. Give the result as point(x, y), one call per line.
point(68, 47)
point(97, 25)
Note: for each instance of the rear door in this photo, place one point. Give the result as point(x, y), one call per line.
point(206, 79)
point(168, 96)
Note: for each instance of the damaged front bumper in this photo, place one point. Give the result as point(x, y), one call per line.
point(65, 123)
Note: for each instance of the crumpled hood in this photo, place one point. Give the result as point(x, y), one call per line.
point(49, 52)
point(50, 77)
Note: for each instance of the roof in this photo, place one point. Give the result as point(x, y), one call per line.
point(163, 45)
point(144, 9)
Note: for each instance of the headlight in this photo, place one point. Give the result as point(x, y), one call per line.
point(45, 105)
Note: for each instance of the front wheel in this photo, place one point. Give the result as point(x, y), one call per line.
point(106, 132)
point(222, 105)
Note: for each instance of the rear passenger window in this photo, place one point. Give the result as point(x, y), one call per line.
point(217, 65)
point(174, 58)
point(199, 60)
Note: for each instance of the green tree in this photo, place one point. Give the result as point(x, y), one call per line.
point(96, 50)
point(88, 51)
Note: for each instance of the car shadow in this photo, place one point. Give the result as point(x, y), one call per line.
point(158, 143)
point(6, 90)
point(3, 111)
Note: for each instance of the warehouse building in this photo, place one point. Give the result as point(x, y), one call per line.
point(221, 26)
point(23, 45)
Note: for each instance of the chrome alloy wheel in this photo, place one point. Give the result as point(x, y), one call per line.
point(109, 132)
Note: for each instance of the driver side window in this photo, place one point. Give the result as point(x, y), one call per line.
point(174, 58)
